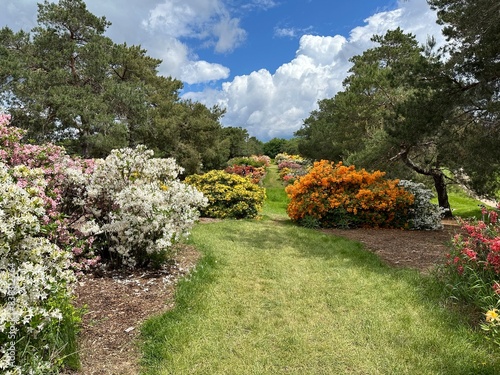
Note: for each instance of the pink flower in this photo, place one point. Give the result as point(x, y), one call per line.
point(493, 217)
point(470, 253)
point(496, 287)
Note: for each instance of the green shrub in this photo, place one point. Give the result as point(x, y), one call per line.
point(229, 195)
point(244, 160)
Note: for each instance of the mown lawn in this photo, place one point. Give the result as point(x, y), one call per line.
point(271, 298)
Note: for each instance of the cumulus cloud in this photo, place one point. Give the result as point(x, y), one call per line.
point(208, 21)
point(275, 104)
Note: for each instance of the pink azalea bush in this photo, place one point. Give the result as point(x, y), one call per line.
point(63, 191)
point(472, 270)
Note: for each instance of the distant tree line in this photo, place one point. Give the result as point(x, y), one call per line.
point(414, 111)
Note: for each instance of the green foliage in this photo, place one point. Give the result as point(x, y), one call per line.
point(229, 195)
point(68, 83)
point(241, 144)
point(279, 145)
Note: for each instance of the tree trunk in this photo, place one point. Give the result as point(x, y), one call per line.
point(442, 192)
point(438, 177)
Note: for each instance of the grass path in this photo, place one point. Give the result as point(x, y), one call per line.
point(271, 298)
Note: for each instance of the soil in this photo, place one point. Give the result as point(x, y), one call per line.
point(116, 304)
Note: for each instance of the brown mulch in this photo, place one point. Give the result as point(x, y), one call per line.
point(117, 304)
point(420, 250)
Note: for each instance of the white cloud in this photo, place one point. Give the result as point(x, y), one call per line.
point(275, 104)
point(291, 32)
point(207, 20)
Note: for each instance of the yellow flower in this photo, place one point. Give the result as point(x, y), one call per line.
point(163, 187)
point(492, 315)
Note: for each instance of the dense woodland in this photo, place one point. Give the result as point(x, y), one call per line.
point(414, 111)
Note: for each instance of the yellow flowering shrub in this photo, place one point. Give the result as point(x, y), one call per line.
point(335, 195)
point(229, 195)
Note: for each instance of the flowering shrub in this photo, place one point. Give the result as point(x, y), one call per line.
point(229, 195)
point(263, 159)
point(291, 167)
point(60, 184)
point(255, 174)
point(423, 214)
point(35, 279)
point(138, 207)
point(281, 157)
point(254, 161)
point(472, 270)
point(341, 196)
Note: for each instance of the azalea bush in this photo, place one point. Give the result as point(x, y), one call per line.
point(291, 167)
point(35, 281)
point(137, 208)
point(334, 195)
point(60, 184)
point(423, 214)
point(472, 269)
point(255, 174)
point(229, 195)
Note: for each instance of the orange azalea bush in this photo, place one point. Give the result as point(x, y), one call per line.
point(335, 195)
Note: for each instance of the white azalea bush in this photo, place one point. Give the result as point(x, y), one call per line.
point(138, 207)
point(423, 214)
point(35, 279)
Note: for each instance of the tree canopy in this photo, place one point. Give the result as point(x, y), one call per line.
point(402, 111)
point(66, 82)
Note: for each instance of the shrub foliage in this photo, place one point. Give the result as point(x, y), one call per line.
point(229, 195)
point(334, 195)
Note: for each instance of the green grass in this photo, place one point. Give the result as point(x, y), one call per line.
point(276, 201)
point(463, 205)
point(272, 298)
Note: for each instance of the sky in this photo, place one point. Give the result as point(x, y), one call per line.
point(266, 62)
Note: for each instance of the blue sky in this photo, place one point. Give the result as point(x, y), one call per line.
point(267, 62)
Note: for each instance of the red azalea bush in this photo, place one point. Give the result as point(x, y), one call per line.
point(472, 271)
point(255, 174)
point(334, 195)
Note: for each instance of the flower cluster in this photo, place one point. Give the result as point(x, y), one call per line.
point(291, 167)
point(59, 181)
point(34, 273)
point(423, 214)
point(255, 174)
point(229, 195)
point(341, 196)
point(137, 208)
point(472, 269)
